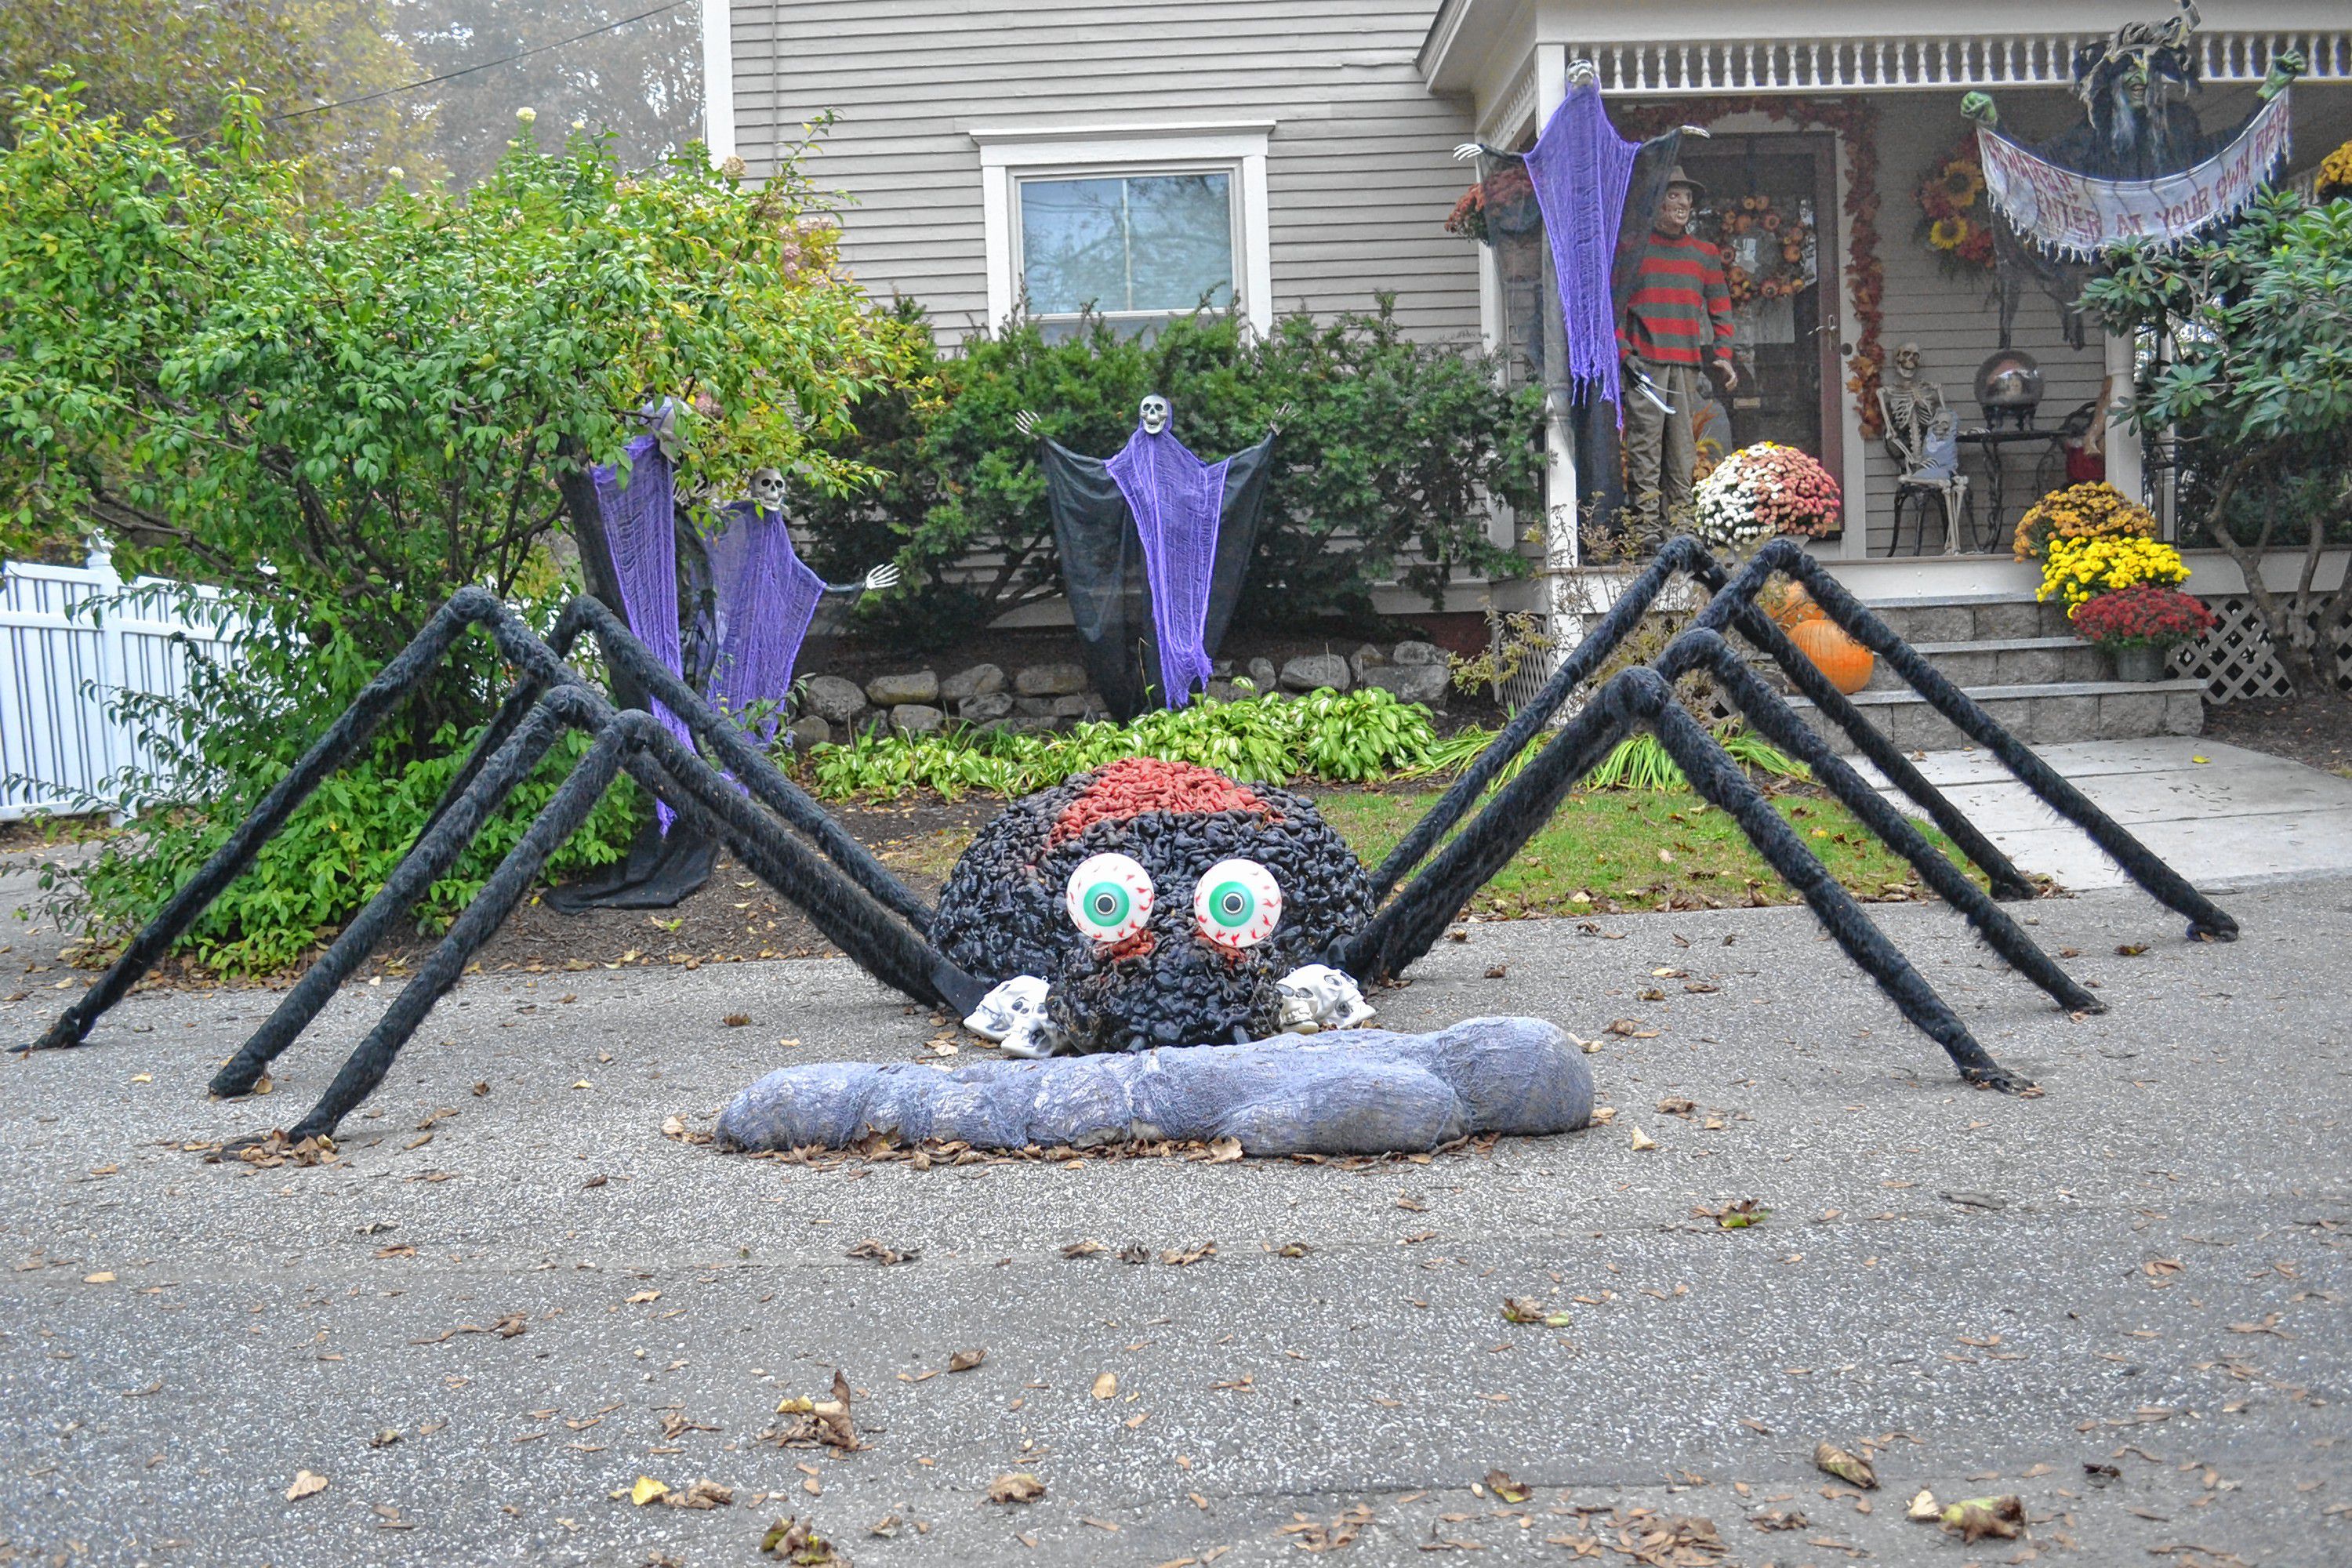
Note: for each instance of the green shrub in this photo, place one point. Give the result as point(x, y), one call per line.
point(1344, 739)
point(1386, 464)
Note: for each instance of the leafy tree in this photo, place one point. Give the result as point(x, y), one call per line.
point(2256, 381)
point(138, 58)
point(347, 412)
point(1387, 458)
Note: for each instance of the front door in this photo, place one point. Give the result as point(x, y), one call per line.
point(1770, 206)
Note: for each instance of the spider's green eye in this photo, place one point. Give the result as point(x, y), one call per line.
point(1109, 897)
point(1237, 903)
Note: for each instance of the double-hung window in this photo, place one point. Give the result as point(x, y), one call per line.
point(1139, 228)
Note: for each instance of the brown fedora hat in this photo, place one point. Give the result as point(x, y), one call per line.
point(1680, 178)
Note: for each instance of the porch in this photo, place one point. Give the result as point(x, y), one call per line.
point(1816, 125)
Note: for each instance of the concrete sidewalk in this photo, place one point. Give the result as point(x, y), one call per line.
point(2220, 814)
point(2125, 1300)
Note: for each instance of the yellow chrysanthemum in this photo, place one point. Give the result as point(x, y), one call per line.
point(2335, 177)
point(2078, 568)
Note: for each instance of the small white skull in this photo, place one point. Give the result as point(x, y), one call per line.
point(1014, 1014)
point(1154, 415)
point(1321, 998)
point(767, 488)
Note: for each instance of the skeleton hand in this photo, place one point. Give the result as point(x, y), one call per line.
point(2285, 69)
point(1976, 106)
point(883, 576)
point(1273, 421)
point(1026, 423)
point(1465, 151)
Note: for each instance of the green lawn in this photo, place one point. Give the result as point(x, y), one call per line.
point(1626, 849)
point(1605, 851)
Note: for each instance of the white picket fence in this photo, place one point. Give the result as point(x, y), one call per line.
point(71, 638)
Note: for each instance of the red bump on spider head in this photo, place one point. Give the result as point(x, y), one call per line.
point(1133, 786)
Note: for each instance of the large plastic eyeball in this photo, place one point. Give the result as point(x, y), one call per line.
point(1109, 897)
point(1237, 903)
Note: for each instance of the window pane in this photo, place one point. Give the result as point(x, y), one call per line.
point(1158, 242)
point(1180, 231)
point(1074, 245)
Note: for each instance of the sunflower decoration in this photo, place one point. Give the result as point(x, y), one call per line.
point(1955, 219)
point(1768, 251)
point(2334, 176)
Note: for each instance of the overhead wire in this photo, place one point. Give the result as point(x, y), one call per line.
point(469, 71)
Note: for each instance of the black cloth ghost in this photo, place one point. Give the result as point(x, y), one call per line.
point(1104, 576)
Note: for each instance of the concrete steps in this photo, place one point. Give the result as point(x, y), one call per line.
point(2020, 663)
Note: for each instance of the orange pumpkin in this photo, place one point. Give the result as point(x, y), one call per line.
point(1796, 606)
point(1846, 662)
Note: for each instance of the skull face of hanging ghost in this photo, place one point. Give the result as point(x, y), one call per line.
point(767, 488)
point(1154, 415)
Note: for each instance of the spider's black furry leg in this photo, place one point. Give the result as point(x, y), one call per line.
point(229, 861)
point(1413, 920)
point(1680, 555)
point(2206, 921)
point(575, 799)
point(435, 850)
point(1762, 707)
point(874, 939)
point(735, 750)
point(1736, 605)
point(1716, 777)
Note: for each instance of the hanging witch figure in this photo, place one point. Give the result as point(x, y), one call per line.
point(1155, 543)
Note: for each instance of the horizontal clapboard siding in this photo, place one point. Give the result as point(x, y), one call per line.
point(1360, 174)
point(1951, 318)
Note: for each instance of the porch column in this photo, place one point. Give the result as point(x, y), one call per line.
point(2121, 442)
point(1564, 606)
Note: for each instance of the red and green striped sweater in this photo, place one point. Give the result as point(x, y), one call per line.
point(1680, 309)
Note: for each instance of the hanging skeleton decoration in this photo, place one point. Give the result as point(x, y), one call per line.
point(1155, 904)
point(752, 602)
point(2140, 129)
point(1154, 544)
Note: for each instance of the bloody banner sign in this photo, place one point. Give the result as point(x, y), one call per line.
point(2080, 215)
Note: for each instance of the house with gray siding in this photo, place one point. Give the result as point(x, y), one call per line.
point(1276, 156)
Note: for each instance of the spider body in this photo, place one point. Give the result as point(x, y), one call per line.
point(1159, 903)
point(1183, 976)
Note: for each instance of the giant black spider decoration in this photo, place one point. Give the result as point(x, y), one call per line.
point(1119, 980)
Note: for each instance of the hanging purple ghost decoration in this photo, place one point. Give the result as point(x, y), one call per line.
point(762, 599)
point(1177, 499)
point(1581, 168)
point(640, 515)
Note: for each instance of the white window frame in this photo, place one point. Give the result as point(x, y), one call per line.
point(1010, 154)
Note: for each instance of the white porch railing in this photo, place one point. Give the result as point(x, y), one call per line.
point(72, 639)
point(1825, 65)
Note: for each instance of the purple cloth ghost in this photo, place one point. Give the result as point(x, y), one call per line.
point(640, 528)
point(764, 596)
point(1581, 167)
point(1177, 499)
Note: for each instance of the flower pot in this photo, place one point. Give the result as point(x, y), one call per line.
point(2141, 661)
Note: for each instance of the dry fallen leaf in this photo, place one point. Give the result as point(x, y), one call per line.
point(1830, 1460)
point(1182, 1255)
point(736, 1020)
point(1107, 1385)
point(2002, 1518)
point(1500, 1483)
point(704, 1493)
point(1924, 1507)
point(795, 1541)
point(641, 1297)
point(1224, 1150)
point(307, 1483)
point(648, 1490)
point(964, 1361)
point(1526, 1309)
point(1017, 1487)
point(1641, 1141)
point(1087, 1249)
point(885, 1255)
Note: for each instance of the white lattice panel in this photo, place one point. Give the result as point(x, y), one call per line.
point(2236, 661)
point(1818, 65)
